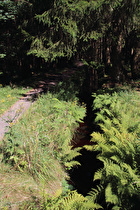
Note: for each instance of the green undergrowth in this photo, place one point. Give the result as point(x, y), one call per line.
point(123, 106)
point(39, 146)
point(118, 147)
point(37, 152)
point(9, 95)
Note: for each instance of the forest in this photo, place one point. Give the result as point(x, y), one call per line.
point(78, 145)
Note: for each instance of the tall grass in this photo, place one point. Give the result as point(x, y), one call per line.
point(9, 95)
point(39, 144)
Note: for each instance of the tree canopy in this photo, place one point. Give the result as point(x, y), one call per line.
point(103, 34)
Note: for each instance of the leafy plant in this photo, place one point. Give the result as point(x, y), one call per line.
point(119, 150)
point(72, 200)
point(123, 106)
point(120, 176)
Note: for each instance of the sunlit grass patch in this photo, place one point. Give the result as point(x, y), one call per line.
point(8, 96)
point(39, 145)
point(16, 188)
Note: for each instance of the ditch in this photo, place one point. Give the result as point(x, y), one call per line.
point(81, 177)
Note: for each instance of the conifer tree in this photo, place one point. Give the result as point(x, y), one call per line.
point(104, 34)
point(95, 31)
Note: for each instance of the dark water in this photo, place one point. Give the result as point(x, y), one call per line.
point(82, 176)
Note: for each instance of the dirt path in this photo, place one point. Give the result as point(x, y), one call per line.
point(41, 85)
point(15, 112)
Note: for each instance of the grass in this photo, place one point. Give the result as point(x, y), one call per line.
point(8, 96)
point(38, 146)
point(20, 189)
point(16, 188)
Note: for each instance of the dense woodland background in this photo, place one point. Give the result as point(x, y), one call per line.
point(104, 35)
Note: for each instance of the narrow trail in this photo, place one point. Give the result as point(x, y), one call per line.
point(16, 111)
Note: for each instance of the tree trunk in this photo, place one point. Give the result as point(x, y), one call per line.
point(116, 54)
point(135, 66)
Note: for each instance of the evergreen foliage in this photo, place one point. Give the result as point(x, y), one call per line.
point(7, 15)
point(95, 31)
point(105, 33)
point(13, 47)
point(69, 26)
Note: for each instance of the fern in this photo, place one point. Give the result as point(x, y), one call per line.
point(119, 150)
point(110, 196)
point(77, 201)
point(72, 200)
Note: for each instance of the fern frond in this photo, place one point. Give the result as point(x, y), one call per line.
point(98, 175)
point(71, 164)
point(97, 137)
point(94, 193)
point(106, 112)
point(89, 148)
point(110, 196)
point(91, 206)
point(70, 155)
point(119, 150)
point(74, 200)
